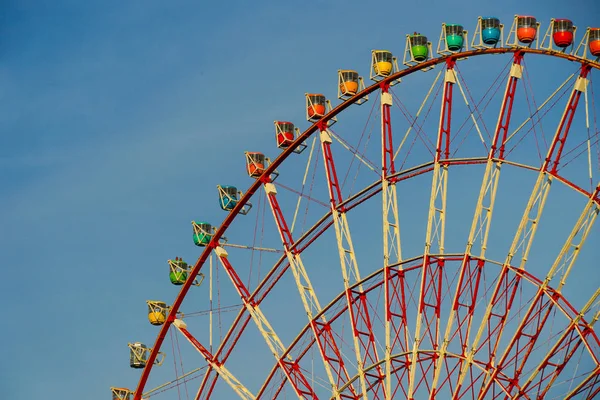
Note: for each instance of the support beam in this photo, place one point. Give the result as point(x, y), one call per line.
point(460, 320)
point(396, 328)
point(294, 375)
point(428, 317)
point(327, 344)
point(364, 340)
point(216, 365)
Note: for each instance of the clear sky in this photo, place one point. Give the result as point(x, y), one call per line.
point(118, 119)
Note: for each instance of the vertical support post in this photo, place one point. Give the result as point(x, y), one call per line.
point(469, 279)
point(396, 329)
point(364, 339)
point(428, 316)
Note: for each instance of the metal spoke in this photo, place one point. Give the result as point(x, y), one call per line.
point(218, 366)
point(294, 375)
point(396, 328)
point(428, 317)
point(364, 341)
point(328, 348)
point(467, 289)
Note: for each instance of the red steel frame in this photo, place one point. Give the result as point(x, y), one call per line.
point(394, 285)
point(471, 270)
point(291, 369)
point(387, 165)
point(430, 296)
point(446, 115)
point(506, 288)
point(374, 281)
point(242, 320)
point(322, 329)
point(357, 306)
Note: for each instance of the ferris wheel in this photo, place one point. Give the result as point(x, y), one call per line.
point(392, 250)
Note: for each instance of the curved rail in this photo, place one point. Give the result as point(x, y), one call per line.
point(375, 280)
point(288, 151)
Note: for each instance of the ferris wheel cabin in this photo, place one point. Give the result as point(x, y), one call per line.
point(228, 197)
point(563, 32)
point(284, 133)
point(454, 36)
point(178, 271)
point(382, 64)
point(121, 393)
point(255, 164)
point(594, 41)
point(348, 82)
point(526, 28)
point(202, 233)
point(418, 47)
point(138, 355)
point(490, 30)
point(157, 312)
point(315, 106)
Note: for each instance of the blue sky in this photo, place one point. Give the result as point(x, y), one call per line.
point(117, 121)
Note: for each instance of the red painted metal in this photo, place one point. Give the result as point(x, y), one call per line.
point(237, 282)
point(430, 299)
point(522, 344)
point(224, 350)
point(430, 296)
point(322, 331)
point(291, 369)
point(388, 167)
point(470, 273)
point(394, 285)
point(558, 144)
point(335, 192)
point(199, 346)
point(464, 306)
point(286, 153)
point(359, 312)
point(396, 315)
point(446, 116)
point(298, 380)
point(506, 110)
point(282, 226)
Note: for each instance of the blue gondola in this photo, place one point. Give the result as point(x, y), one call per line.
point(228, 197)
point(490, 30)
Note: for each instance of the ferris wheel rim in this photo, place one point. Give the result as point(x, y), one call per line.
point(265, 177)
